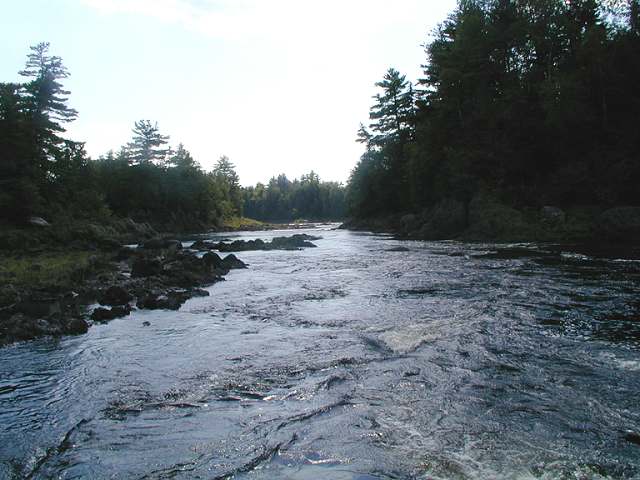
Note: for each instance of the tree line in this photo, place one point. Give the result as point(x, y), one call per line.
point(306, 198)
point(44, 174)
point(532, 101)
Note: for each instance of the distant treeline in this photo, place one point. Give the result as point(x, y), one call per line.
point(44, 174)
point(536, 102)
point(284, 200)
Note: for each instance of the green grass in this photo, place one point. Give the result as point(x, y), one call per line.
point(240, 223)
point(50, 269)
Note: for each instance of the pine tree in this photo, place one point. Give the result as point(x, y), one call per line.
point(225, 172)
point(45, 98)
point(147, 145)
point(182, 158)
point(392, 114)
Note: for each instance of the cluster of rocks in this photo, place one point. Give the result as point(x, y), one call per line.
point(158, 274)
point(293, 242)
point(23, 317)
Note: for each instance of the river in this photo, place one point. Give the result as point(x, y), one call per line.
point(347, 361)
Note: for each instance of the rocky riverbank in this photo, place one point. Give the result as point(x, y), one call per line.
point(157, 274)
point(486, 219)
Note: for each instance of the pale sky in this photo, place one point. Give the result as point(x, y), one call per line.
point(279, 86)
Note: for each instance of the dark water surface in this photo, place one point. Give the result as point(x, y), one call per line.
point(347, 361)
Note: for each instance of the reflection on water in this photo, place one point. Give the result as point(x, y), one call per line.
point(349, 361)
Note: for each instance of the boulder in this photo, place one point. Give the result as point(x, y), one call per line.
point(116, 295)
point(146, 267)
point(212, 260)
point(620, 223)
point(294, 242)
point(161, 244)
point(304, 236)
point(76, 326)
point(231, 261)
point(105, 314)
point(170, 301)
point(23, 327)
point(202, 245)
point(199, 292)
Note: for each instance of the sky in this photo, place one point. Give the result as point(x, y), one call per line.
point(279, 86)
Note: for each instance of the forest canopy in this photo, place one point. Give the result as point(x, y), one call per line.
point(533, 101)
point(45, 174)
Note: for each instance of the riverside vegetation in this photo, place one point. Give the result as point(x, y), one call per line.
point(522, 127)
point(64, 216)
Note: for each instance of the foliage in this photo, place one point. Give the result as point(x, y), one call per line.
point(42, 173)
point(285, 200)
point(227, 179)
point(147, 145)
point(536, 101)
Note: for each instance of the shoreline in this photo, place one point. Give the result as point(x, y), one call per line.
point(486, 220)
point(48, 287)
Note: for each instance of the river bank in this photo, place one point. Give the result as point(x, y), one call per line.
point(486, 219)
point(61, 280)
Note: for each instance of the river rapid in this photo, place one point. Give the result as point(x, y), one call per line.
point(348, 361)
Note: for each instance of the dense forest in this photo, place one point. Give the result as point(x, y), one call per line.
point(282, 199)
point(44, 174)
point(533, 102)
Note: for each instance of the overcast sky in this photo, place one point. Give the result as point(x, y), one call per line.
point(279, 86)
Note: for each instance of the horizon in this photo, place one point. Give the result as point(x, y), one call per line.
point(225, 78)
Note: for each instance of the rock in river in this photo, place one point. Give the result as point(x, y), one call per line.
point(116, 295)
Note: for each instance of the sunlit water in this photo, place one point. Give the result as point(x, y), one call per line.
point(346, 361)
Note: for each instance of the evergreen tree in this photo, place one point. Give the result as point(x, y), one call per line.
point(182, 158)
point(392, 113)
point(226, 174)
point(148, 144)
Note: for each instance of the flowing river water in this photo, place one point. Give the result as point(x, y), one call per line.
point(347, 361)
